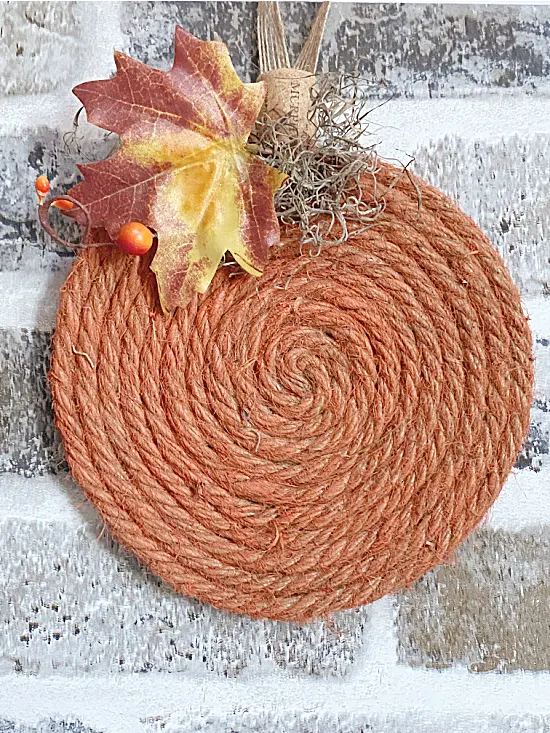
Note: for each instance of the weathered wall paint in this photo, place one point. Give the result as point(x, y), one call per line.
point(89, 641)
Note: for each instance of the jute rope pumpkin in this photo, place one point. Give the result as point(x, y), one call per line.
point(309, 441)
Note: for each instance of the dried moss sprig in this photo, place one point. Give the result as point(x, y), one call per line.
point(322, 194)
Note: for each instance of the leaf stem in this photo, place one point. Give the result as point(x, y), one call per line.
point(43, 215)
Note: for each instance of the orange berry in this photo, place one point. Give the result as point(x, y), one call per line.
point(63, 205)
point(134, 238)
point(42, 185)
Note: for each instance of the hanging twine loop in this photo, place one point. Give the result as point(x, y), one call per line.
point(288, 88)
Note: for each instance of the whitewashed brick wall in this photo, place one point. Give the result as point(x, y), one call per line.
point(90, 642)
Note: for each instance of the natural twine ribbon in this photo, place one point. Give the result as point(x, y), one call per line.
point(288, 88)
point(309, 441)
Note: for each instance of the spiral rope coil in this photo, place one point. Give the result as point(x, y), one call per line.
point(309, 441)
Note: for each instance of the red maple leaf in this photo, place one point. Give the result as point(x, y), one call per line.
point(182, 167)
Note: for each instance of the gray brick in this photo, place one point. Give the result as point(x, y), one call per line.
point(39, 45)
point(535, 451)
point(486, 610)
point(29, 443)
point(71, 604)
point(148, 28)
point(505, 187)
point(42, 151)
point(414, 50)
point(421, 50)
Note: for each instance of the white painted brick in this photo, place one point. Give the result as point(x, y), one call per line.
point(505, 187)
point(298, 721)
point(72, 604)
point(39, 45)
point(28, 442)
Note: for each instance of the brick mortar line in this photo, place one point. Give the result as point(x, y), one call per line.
point(31, 297)
point(389, 689)
point(523, 502)
point(50, 498)
point(399, 125)
point(538, 310)
point(380, 651)
point(19, 113)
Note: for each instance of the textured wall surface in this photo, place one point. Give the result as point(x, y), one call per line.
point(90, 642)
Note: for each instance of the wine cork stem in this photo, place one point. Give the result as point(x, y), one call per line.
point(288, 95)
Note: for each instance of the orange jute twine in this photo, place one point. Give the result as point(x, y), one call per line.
point(309, 441)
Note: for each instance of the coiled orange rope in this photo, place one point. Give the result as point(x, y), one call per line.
point(309, 441)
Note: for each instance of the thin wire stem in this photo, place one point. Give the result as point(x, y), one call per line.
point(43, 216)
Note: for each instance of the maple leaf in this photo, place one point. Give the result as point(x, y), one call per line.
point(182, 167)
